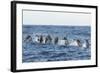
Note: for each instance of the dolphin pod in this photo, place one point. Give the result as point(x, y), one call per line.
point(48, 39)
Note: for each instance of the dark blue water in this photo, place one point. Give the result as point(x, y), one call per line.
point(33, 52)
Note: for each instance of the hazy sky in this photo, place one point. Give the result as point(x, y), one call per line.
point(55, 18)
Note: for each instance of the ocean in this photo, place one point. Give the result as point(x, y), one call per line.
point(35, 52)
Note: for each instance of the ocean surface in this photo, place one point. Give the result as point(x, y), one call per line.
point(34, 52)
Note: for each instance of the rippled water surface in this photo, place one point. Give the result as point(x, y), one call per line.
point(33, 52)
